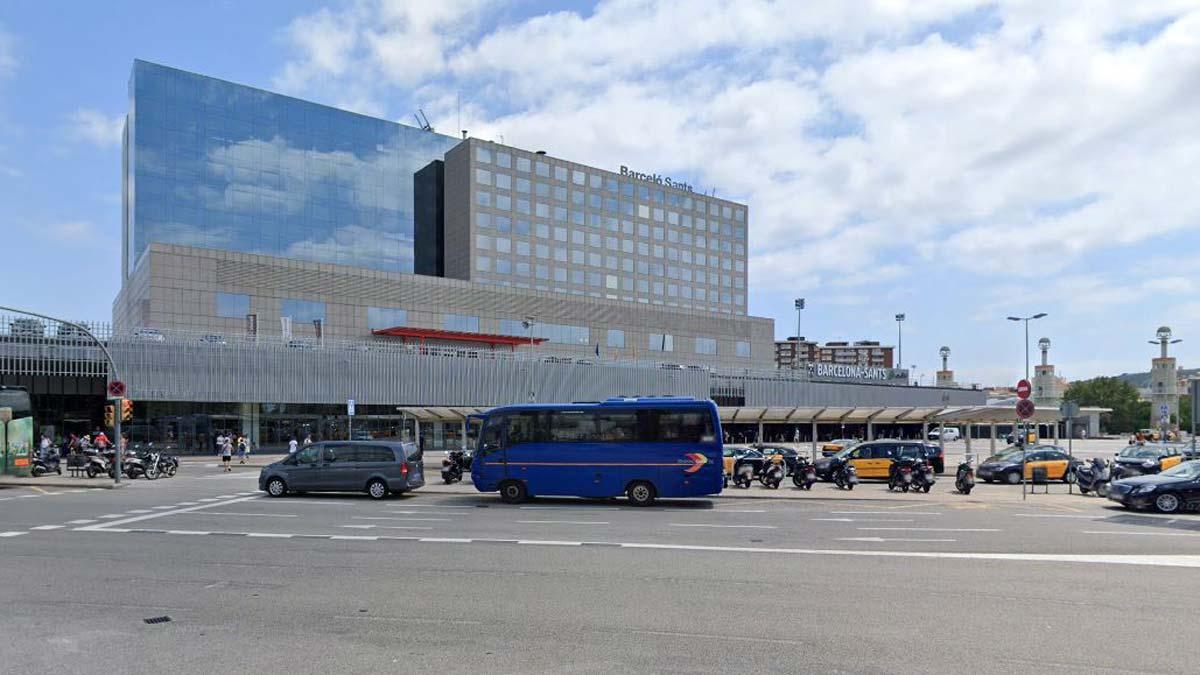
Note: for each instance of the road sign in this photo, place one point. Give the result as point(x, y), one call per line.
point(350, 407)
point(116, 389)
point(1164, 410)
point(1024, 389)
point(1025, 409)
point(1069, 409)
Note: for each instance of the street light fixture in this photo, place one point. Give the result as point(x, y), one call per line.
point(799, 304)
point(528, 323)
point(899, 338)
point(1027, 319)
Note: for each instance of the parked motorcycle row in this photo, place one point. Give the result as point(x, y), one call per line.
point(148, 463)
point(906, 474)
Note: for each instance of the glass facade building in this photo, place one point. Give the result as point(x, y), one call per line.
point(213, 164)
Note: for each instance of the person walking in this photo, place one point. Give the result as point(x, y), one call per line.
point(227, 453)
point(241, 449)
point(292, 446)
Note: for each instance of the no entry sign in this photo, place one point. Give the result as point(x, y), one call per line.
point(116, 389)
point(1024, 389)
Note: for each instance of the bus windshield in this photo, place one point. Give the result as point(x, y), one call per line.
point(17, 399)
point(671, 448)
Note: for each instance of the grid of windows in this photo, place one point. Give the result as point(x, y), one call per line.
point(552, 332)
point(302, 311)
point(660, 342)
point(628, 237)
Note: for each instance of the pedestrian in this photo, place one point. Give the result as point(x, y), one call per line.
point(308, 439)
point(292, 445)
point(227, 453)
point(241, 449)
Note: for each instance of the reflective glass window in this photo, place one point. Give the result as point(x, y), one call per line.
point(461, 323)
point(379, 318)
point(302, 311)
point(233, 305)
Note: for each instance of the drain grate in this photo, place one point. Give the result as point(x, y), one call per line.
point(157, 619)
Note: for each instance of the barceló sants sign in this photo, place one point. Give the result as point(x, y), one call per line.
point(656, 178)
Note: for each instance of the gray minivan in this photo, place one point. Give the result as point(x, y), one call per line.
point(375, 467)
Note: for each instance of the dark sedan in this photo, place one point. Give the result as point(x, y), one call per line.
point(1150, 458)
point(1173, 490)
point(1006, 466)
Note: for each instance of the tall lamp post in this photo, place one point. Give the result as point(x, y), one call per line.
point(900, 339)
point(1026, 320)
point(528, 323)
point(799, 310)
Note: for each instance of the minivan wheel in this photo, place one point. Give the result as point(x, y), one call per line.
point(276, 487)
point(1167, 503)
point(377, 489)
point(641, 493)
point(1013, 477)
point(512, 492)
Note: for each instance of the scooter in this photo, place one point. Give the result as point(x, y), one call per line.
point(454, 465)
point(964, 478)
point(47, 464)
point(96, 463)
point(805, 474)
point(1093, 477)
point(743, 476)
point(845, 476)
point(900, 477)
point(772, 475)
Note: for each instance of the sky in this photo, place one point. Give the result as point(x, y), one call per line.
point(954, 160)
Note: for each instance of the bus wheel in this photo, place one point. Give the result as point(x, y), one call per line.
point(512, 492)
point(640, 493)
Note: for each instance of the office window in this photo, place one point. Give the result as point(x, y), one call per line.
point(503, 159)
point(461, 323)
point(594, 279)
point(560, 173)
point(610, 281)
point(661, 342)
point(523, 185)
point(483, 263)
point(560, 254)
point(483, 198)
point(577, 277)
point(542, 231)
point(616, 339)
point(594, 260)
point(503, 266)
point(483, 176)
point(523, 164)
point(302, 311)
point(542, 251)
point(503, 223)
point(483, 242)
point(523, 269)
point(542, 169)
point(578, 257)
point(743, 349)
point(706, 346)
point(233, 305)
point(379, 318)
point(523, 248)
point(503, 245)
point(504, 181)
point(560, 275)
point(578, 178)
point(483, 154)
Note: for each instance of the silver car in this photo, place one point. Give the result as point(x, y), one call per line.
point(375, 467)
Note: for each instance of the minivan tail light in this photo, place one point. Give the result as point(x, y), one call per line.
point(404, 469)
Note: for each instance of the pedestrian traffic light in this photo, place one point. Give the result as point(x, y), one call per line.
point(108, 416)
point(126, 410)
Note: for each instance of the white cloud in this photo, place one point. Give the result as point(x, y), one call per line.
point(96, 127)
point(8, 56)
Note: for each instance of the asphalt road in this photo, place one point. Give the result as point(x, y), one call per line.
point(452, 581)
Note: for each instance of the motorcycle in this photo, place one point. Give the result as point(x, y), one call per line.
point(772, 475)
point(1093, 477)
point(964, 478)
point(845, 476)
point(923, 476)
point(454, 465)
point(743, 476)
point(96, 463)
point(48, 463)
point(900, 477)
point(805, 474)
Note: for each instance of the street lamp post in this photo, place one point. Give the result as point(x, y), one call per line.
point(1026, 320)
point(112, 368)
point(528, 324)
point(799, 309)
point(900, 339)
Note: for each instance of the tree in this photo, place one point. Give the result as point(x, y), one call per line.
point(1128, 413)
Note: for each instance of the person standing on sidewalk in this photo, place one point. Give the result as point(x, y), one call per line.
point(292, 446)
point(227, 453)
point(241, 449)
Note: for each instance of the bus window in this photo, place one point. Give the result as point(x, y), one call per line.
point(683, 425)
point(523, 428)
point(614, 427)
point(492, 436)
point(569, 426)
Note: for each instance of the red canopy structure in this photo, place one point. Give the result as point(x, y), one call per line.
point(423, 334)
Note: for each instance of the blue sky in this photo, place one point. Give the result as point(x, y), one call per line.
point(958, 161)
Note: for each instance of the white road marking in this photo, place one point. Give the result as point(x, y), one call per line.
point(406, 520)
point(271, 535)
point(930, 529)
point(48, 527)
point(161, 514)
point(186, 532)
point(82, 521)
point(864, 520)
point(425, 513)
point(1055, 515)
point(571, 508)
point(444, 540)
point(207, 499)
point(239, 513)
point(563, 522)
point(111, 515)
point(1145, 534)
point(384, 527)
point(226, 496)
point(437, 506)
point(139, 511)
point(157, 508)
point(736, 638)
point(354, 537)
point(187, 503)
point(530, 542)
point(12, 534)
point(881, 539)
point(883, 513)
point(747, 527)
point(730, 510)
point(26, 496)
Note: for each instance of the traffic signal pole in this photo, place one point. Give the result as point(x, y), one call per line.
point(119, 412)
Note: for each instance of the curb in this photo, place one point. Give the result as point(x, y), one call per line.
point(104, 484)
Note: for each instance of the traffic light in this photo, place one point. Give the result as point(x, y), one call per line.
point(126, 410)
point(108, 416)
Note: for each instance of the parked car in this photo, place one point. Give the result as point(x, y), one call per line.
point(149, 334)
point(1140, 459)
point(835, 446)
point(1006, 465)
point(376, 467)
point(946, 434)
point(873, 459)
point(213, 339)
point(1173, 490)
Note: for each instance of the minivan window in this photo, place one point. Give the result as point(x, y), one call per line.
point(308, 455)
point(412, 451)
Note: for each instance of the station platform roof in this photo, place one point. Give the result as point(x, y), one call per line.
point(982, 414)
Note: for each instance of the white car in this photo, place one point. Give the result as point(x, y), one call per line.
point(947, 434)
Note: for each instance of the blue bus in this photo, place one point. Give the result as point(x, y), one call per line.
point(644, 448)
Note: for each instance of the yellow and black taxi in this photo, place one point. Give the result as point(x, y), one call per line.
point(873, 459)
point(1175, 489)
point(1005, 466)
point(830, 448)
point(1147, 458)
point(730, 455)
